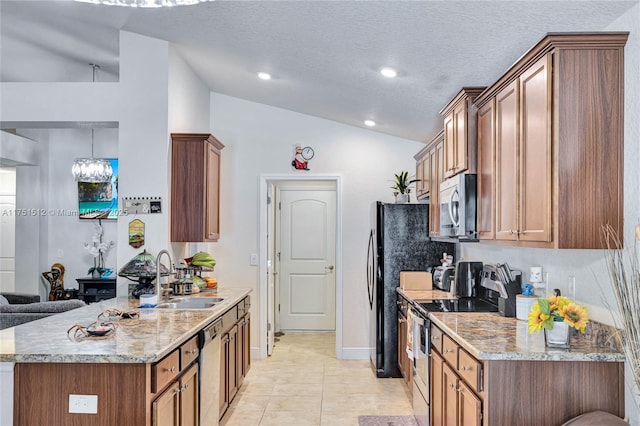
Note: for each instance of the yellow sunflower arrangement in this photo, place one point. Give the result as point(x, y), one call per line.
point(554, 309)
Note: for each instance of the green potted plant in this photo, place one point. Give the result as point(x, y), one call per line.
point(400, 186)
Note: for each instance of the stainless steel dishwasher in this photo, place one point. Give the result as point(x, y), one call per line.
point(209, 369)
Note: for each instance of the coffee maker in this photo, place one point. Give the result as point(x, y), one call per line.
point(466, 279)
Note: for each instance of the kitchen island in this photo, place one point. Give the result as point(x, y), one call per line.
point(41, 365)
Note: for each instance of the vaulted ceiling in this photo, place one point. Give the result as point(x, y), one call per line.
point(324, 56)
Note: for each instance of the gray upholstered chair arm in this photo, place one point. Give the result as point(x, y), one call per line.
point(43, 307)
point(21, 298)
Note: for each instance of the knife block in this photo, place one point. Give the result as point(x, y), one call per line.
point(507, 305)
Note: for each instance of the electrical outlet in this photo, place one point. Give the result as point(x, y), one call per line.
point(253, 259)
point(60, 253)
point(83, 404)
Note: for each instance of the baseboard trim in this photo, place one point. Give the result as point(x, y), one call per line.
point(255, 353)
point(355, 353)
point(347, 353)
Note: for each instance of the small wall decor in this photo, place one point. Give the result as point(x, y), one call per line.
point(301, 157)
point(142, 205)
point(136, 233)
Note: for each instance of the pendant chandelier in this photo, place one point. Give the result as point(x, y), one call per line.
point(145, 3)
point(92, 169)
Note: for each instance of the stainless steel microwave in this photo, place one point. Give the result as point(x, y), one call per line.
point(458, 206)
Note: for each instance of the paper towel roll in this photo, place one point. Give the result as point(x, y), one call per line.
point(524, 305)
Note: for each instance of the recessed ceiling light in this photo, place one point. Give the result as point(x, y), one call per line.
point(388, 72)
point(264, 76)
point(369, 123)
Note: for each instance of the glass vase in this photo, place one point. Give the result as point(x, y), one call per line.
point(559, 336)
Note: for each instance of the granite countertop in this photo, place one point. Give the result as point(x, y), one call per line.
point(425, 295)
point(145, 339)
point(490, 336)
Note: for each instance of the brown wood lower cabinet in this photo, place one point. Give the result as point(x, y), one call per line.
point(469, 392)
point(178, 404)
point(437, 364)
point(244, 341)
point(235, 352)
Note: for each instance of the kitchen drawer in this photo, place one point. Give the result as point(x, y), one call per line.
point(450, 351)
point(188, 352)
point(470, 369)
point(436, 338)
point(165, 371)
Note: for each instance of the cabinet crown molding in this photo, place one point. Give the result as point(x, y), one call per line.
point(470, 92)
point(549, 43)
point(198, 137)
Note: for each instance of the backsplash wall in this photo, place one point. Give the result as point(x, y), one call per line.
point(593, 286)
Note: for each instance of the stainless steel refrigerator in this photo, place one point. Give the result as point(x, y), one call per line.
point(398, 241)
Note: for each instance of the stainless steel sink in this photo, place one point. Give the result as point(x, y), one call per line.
point(190, 303)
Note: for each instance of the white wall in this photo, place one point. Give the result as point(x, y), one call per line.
point(593, 285)
point(63, 233)
point(139, 104)
point(260, 139)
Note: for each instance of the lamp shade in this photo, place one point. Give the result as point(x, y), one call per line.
point(92, 170)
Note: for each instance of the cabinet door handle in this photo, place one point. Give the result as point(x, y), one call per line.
point(171, 370)
point(194, 351)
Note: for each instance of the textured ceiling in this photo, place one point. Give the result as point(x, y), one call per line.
point(324, 55)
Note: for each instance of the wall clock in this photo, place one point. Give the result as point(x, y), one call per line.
point(301, 157)
point(307, 153)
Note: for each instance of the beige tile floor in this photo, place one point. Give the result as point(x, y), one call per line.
point(303, 383)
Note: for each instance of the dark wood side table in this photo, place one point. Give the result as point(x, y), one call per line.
point(93, 290)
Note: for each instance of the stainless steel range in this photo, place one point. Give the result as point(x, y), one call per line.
point(483, 300)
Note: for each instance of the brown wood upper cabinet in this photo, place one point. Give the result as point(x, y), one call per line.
point(460, 132)
point(423, 174)
point(550, 144)
point(195, 187)
point(430, 171)
point(486, 208)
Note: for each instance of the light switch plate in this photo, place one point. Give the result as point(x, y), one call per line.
point(253, 259)
point(83, 404)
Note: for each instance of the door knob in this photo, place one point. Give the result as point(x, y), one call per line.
point(330, 267)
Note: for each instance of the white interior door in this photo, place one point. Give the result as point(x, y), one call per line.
point(307, 257)
point(271, 270)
